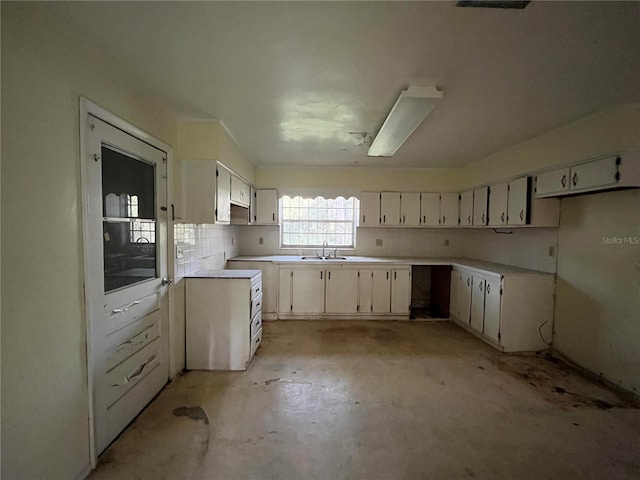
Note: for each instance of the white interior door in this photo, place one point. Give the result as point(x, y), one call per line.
point(125, 226)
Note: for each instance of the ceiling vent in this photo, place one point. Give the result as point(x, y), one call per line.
point(493, 4)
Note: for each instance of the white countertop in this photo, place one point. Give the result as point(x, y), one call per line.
point(478, 265)
point(248, 274)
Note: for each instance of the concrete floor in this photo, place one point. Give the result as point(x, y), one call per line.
point(381, 400)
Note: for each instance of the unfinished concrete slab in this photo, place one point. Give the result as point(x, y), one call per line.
point(381, 400)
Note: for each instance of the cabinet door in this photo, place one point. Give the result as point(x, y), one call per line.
point(198, 191)
point(267, 207)
point(518, 201)
point(464, 297)
point(365, 284)
point(401, 291)
point(498, 198)
point(223, 196)
point(449, 209)
point(477, 303)
point(466, 208)
point(390, 208)
point(252, 205)
point(598, 173)
point(410, 209)
point(370, 209)
point(549, 183)
point(430, 208)
point(480, 202)
point(307, 290)
point(284, 290)
point(341, 291)
point(381, 292)
point(492, 302)
point(239, 192)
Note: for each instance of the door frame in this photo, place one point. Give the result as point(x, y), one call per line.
point(87, 107)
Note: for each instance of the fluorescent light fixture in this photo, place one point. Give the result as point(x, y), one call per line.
point(411, 108)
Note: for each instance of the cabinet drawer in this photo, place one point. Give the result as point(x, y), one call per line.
point(256, 289)
point(256, 340)
point(256, 324)
point(129, 340)
point(256, 306)
point(130, 372)
point(120, 315)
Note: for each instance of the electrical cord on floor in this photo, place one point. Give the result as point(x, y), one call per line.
point(540, 332)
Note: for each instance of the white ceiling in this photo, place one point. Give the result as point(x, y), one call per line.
point(292, 79)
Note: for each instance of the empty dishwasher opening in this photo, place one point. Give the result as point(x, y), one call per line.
point(430, 290)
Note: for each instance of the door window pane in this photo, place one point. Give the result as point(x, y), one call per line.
point(129, 219)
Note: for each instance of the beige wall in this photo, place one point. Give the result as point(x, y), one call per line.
point(597, 319)
point(45, 68)
point(360, 178)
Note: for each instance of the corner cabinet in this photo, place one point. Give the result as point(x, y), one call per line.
point(513, 204)
point(511, 311)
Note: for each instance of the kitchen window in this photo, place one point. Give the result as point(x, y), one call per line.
point(314, 222)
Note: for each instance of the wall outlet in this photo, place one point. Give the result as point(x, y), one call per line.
point(552, 251)
point(261, 241)
point(378, 242)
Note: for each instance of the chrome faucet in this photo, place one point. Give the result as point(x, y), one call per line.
point(324, 245)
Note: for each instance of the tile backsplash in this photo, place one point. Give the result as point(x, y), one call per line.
point(522, 247)
point(203, 247)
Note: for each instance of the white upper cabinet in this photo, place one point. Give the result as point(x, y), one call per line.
point(410, 209)
point(390, 208)
point(466, 208)
point(480, 204)
point(223, 195)
point(240, 192)
point(615, 171)
point(252, 205)
point(266, 207)
point(552, 183)
point(518, 201)
point(199, 191)
point(370, 209)
point(430, 208)
point(498, 198)
point(449, 209)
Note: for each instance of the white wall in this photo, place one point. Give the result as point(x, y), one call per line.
point(597, 316)
point(45, 68)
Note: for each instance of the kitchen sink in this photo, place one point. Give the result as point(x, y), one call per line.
point(324, 258)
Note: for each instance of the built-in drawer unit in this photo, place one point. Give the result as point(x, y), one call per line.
point(223, 319)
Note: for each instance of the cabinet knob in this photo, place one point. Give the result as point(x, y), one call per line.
point(522, 215)
point(483, 218)
point(469, 219)
point(444, 218)
point(574, 180)
point(502, 217)
point(563, 182)
point(488, 288)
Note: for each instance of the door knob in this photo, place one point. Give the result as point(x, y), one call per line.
point(167, 281)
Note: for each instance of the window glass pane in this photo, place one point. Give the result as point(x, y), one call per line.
point(309, 222)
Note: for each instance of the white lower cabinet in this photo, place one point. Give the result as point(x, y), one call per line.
point(341, 294)
point(401, 291)
point(381, 291)
point(316, 291)
point(223, 319)
point(511, 311)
